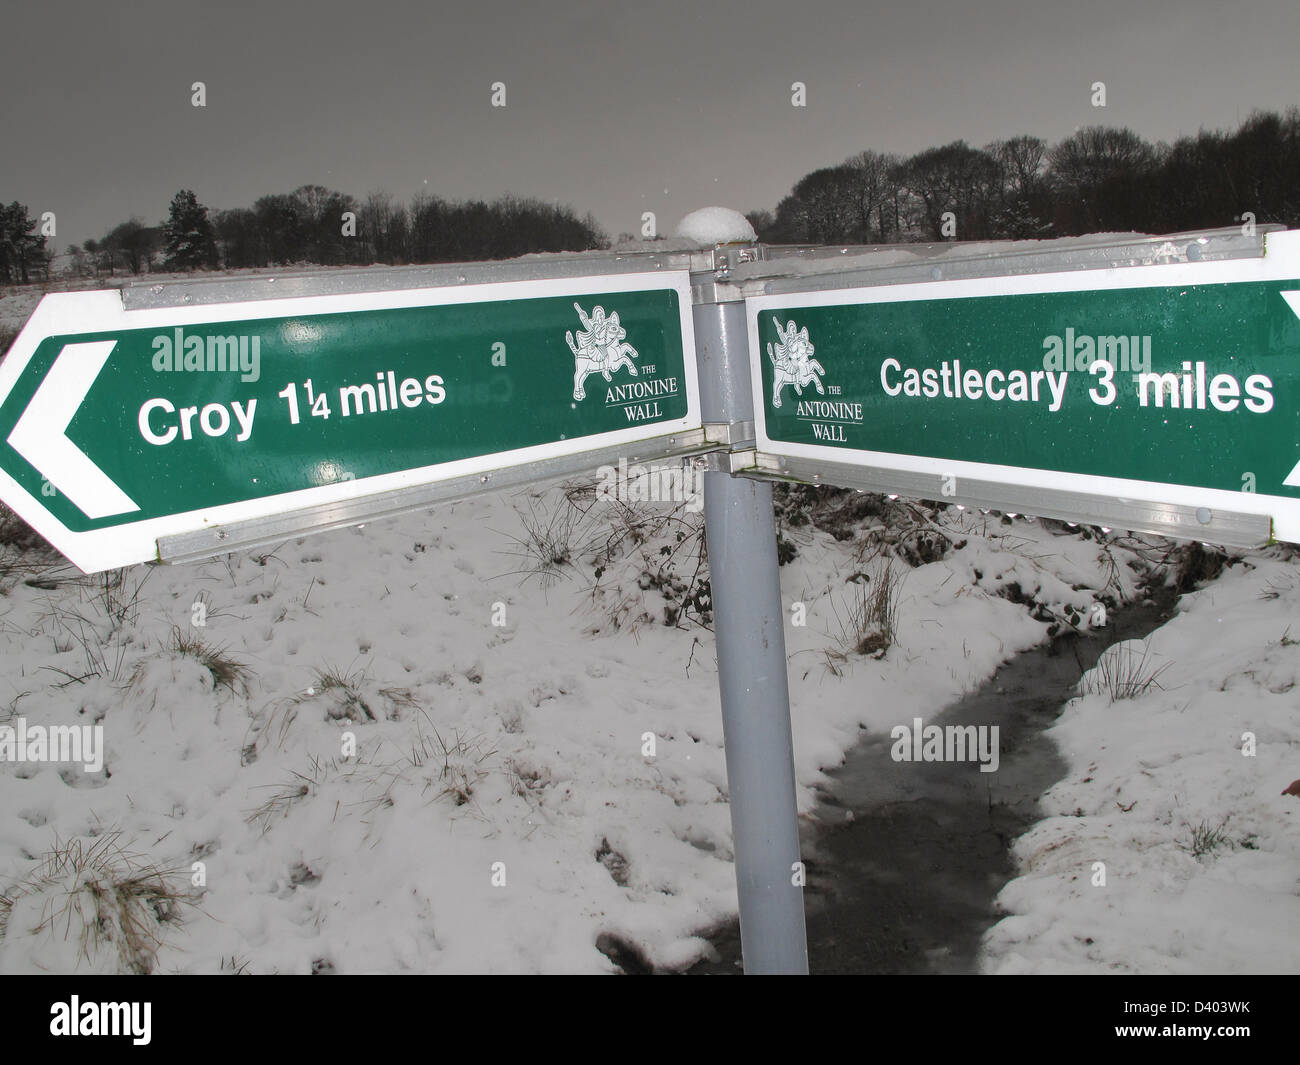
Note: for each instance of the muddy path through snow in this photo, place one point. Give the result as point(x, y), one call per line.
point(904, 859)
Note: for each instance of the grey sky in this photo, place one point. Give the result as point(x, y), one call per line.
point(612, 108)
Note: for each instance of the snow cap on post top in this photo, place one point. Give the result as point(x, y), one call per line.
point(716, 225)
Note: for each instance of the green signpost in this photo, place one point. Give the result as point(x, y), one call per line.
point(1172, 384)
point(122, 427)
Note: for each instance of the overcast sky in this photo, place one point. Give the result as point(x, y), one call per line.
point(611, 108)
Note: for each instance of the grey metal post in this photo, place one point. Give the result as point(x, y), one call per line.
point(749, 620)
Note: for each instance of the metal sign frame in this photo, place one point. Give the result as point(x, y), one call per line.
point(1231, 518)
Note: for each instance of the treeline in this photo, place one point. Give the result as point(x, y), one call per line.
point(1098, 179)
point(316, 225)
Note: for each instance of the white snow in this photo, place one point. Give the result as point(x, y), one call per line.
point(1147, 775)
point(715, 225)
point(371, 863)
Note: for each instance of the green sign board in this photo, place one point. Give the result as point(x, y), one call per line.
point(119, 426)
point(1173, 384)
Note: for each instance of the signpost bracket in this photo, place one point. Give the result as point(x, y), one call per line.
point(902, 264)
point(202, 291)
point(258, 532)
point(729, 462)
point(731, 435)
point(1206, 524)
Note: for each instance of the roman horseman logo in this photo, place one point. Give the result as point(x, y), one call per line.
point(829, 420)
point(600, 348)
point(793, 362)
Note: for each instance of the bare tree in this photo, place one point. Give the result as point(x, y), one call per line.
point(134, 243)
point(1024, 207)
point(954, 178)
point(383, 228)
point(1101, 176)
point(874, 193)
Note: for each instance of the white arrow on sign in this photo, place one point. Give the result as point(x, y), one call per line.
point(1293, 298)
point(41, 435)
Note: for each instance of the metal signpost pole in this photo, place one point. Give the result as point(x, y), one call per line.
point(749, 621)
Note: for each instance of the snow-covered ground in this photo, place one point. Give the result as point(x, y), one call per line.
point(499, 813)
point(1177, 793)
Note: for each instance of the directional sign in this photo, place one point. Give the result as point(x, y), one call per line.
point(122, 426)
point(1171, 384)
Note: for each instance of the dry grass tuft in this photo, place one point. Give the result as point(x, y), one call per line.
point(104, 898)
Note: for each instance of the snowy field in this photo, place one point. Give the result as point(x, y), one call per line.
point(1177, 792)
point(499, 814)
